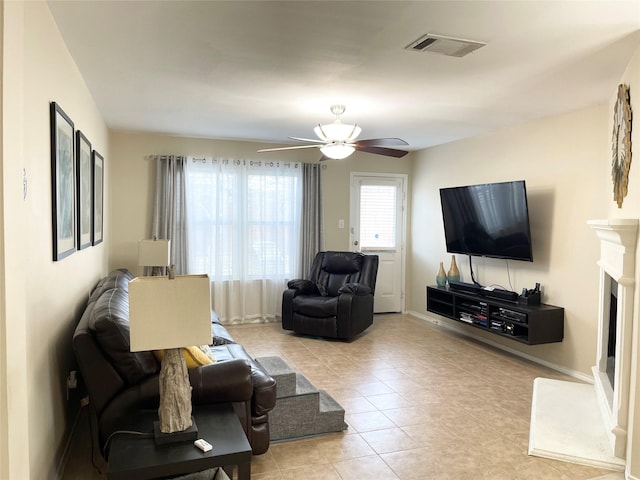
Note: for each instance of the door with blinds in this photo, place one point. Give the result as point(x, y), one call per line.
point(378, 218)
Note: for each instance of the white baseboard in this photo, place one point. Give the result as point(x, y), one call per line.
point(629, 476)
point(453, 326)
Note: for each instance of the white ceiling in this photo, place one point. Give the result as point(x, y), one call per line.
point(267, 70)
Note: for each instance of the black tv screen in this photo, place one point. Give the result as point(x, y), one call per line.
point(489, 220)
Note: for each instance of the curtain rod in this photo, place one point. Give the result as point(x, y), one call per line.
point(259, 163)
point(158, 157)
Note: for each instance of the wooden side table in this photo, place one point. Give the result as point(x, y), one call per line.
point(138, 457)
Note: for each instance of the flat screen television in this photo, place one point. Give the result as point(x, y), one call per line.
point(488, 220)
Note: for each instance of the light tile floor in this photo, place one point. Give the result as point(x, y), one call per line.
point(421, 402)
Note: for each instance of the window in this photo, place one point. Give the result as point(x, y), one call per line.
point(243, 218)
point(378, 207)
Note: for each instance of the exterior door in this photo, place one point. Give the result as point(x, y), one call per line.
point(378, 228)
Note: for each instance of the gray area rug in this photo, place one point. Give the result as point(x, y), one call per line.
point(301, 409)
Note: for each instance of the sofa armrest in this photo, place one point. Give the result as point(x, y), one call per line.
point(265, 393)
point(228, 381)
point(303, 287)
point(355, 289)
point(142, 396)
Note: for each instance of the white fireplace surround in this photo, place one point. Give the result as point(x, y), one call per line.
point(588, 424)
point(618, 238)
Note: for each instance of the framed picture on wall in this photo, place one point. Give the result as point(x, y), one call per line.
point(63, 185)
point(84, 190)
point(98, 198)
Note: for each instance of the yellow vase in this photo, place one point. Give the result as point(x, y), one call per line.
point(453, 274)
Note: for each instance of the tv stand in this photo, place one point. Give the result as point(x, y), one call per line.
point(528, 324)
point(496, 293)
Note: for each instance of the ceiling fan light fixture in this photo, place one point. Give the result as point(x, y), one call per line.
point(337, 132)
point(338, 141)
point(337, 151)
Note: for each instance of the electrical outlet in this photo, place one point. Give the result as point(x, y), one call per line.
point(72, 380)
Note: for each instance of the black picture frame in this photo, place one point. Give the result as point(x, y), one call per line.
point(84, 193)
point(98, 199)
point(63, 185)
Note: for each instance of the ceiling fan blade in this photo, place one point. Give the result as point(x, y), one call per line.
point(389, 152)
point(382, 142)
point(295, 147)
point(306, 139)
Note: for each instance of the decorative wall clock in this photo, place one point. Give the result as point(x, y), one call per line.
point(621, 144)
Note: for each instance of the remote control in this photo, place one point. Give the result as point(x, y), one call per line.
point(203, 445)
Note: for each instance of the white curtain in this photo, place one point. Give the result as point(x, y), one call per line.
point(244, 231)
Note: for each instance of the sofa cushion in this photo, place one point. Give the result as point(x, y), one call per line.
point(220, 335)
point(322, 290)
point(342, 262)
point(119, 278)
point(109, 323)
point(335, 281)
point(316, 306)
point(355, 289)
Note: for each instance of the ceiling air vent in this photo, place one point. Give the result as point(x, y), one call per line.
point(452, 47)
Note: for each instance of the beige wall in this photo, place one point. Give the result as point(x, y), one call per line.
point(133, 177)
point(566, 162)
point(563, 161)
point(14, 462)
point(44, 298)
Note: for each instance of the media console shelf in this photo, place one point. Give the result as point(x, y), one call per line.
point(530, 324)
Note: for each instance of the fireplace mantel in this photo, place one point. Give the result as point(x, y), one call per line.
point(618, 238)
point(617, 246)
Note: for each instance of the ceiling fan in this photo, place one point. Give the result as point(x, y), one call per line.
point(338, 141)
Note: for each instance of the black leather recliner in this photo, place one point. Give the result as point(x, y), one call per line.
point(336, 300)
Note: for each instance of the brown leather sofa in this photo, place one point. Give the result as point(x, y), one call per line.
point(336, 300)
point(120, 382)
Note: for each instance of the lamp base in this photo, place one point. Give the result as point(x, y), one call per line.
point(161, 438)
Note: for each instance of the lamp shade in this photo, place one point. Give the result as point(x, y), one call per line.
point(337, 132)
point(337, 151)
point(154, 253)
point(169, 313)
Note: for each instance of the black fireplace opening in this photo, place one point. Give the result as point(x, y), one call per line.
point(611, 343)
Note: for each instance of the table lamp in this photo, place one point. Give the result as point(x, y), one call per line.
point(154, 253)
point(171, 313)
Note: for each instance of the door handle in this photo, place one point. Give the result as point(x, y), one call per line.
point(356, 243)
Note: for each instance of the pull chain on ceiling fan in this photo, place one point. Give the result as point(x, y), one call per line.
point(339, 140)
